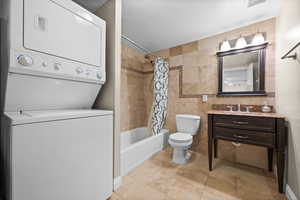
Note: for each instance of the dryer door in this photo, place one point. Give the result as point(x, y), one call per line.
point(62, 28)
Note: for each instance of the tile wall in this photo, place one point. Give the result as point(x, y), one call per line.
point(133, 104)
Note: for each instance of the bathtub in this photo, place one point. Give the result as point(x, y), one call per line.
point(136, 147)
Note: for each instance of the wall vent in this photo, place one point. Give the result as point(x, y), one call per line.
point(252, 3)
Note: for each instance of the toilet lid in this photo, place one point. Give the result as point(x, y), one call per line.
point(181, 137)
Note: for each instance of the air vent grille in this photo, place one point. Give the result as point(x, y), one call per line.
point(252, 3)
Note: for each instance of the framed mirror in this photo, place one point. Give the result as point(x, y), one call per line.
point(242, 71)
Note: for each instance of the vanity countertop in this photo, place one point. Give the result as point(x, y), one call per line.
point(251, 114)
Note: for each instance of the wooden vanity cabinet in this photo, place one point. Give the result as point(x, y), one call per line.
point(265, 130)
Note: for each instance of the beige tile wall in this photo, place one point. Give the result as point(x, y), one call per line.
point(199, 76)
point(133, 105)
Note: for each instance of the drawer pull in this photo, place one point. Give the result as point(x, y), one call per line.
point(240, 123)
point(241, 137)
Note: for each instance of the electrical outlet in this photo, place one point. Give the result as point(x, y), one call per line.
point(204, 98)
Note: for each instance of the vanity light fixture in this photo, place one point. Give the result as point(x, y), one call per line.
point(241, 43)
point(258, 39)
point(225, 46)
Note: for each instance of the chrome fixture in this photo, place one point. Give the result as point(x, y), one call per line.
point(230, 108)
point(294, 56)
point(143, 49)
point(248, 108)
point(239, 107)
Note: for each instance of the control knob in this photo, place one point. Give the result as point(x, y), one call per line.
point(57, 66)
point(79, 70)
point(25, 60)
point(44, 64)
point(99, 75)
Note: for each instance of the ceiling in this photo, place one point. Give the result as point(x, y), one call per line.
point(160, 24)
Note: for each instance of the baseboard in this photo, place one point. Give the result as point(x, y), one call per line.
point(290, 194)
point(117, 182)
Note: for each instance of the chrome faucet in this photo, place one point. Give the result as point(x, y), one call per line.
point(230, 108)
point(239, 107)
point(248, 108)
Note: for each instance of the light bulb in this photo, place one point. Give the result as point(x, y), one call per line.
point(258, 39)
point(241, 43)
point(225, 46)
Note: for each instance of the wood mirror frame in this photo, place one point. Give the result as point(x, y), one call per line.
point(261, 49)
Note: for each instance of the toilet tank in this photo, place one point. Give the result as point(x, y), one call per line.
point(187, 123)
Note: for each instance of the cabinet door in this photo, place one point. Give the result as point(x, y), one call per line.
point(55, 29)
point(63, 160)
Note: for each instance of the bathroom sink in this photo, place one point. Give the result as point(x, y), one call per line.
point(239, 110)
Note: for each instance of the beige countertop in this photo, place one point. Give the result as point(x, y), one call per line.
point(251, 114)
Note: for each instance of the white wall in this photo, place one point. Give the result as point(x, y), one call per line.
point(109, 97)
point(288, 85)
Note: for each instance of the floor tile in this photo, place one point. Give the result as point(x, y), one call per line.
point(217, 195)
point(184, 188)
point(137, 191)
point(221, 186)
point(160, 179)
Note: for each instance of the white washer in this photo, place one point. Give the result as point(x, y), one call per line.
point(61, 155)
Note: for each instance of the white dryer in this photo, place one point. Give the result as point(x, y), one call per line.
point(53, 55)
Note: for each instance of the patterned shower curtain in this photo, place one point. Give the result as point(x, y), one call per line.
point(159, 108)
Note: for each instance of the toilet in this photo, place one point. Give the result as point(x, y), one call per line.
point(181, 141)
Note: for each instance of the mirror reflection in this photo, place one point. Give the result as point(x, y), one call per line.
point(241, 72)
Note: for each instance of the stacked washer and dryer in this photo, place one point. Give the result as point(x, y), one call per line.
point(54, 146)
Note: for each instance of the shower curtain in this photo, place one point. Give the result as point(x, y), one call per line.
point(160, 93)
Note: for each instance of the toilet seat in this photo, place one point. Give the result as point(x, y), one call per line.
point(180, 138)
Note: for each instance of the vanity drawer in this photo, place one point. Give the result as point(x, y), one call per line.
point(245, 122)
point(245, 136)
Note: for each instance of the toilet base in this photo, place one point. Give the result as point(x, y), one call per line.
point(181, 156)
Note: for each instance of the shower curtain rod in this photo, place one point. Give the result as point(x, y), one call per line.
point(146, 51)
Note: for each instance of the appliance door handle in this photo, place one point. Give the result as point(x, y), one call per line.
point(240, 136)
point(240, 123)
point(40, 23)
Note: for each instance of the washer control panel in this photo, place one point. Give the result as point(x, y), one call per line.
point(29, 63)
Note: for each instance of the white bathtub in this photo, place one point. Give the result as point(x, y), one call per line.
point(136, 147)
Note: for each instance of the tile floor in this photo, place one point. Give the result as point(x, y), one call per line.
point(159, 179)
